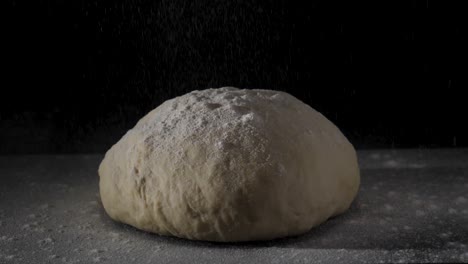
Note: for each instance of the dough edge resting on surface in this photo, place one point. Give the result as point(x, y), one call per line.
point(229, 165)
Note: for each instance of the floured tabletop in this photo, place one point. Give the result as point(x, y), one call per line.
point(412, 207)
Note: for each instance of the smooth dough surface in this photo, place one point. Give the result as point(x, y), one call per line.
point(229, 165)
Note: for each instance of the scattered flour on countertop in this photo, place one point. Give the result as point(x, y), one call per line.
point(96, 251)
point(98, 259)
point(46, 241)
point(29, 226)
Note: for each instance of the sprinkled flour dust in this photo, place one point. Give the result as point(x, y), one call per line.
point(211, 109)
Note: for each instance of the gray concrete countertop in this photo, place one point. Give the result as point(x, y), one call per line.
point(412, 207)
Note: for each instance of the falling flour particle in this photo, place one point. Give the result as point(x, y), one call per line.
point(420, 213)
point(461, 200)
point(391, 163)
point(417, 165)
point(444, 235)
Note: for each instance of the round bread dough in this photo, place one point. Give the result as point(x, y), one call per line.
point(229, 165)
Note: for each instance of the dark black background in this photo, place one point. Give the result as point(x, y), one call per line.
point(78, 74)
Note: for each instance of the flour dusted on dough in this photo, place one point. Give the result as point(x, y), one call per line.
point(229, 165)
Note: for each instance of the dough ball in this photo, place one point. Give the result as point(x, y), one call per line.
point(229, 165)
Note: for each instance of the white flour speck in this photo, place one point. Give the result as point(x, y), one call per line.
point(464, 257)
point(461, 200)
point(452, 211)
point(444, 235)
point(420, 213)
point(46, 241)
point(417, 165)
point(391, 163)
point(44, 206)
